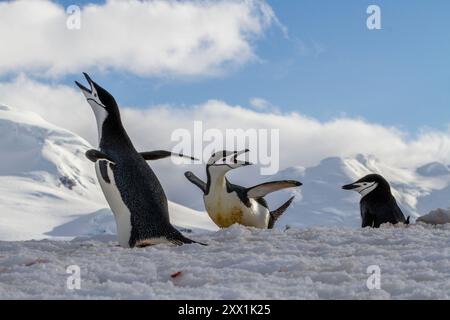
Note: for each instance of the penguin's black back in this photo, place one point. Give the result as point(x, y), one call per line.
point(138, 185)
point(144, 196)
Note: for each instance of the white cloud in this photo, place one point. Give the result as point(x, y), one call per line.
point(260, 103)
point(303, 140)
point(58, 104)
point(143, 37)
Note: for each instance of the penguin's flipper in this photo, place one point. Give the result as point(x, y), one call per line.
point(161, 154)
point(195, 180)
point(263, 189)
point(368, 220)
point(274, 215)
point(95, 155)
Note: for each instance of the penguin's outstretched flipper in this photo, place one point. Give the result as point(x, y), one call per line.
point(195, 180)
point(161, 154)
point(263, 189)
point(274, 215)
point(95, 155)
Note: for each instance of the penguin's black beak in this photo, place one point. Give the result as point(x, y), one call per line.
point(350, 186)
point(241, 163)
point(83, 88)
point(88, 78)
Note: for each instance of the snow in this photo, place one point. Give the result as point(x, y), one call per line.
point(239, 263)
point(50, 197)
point(438, 216)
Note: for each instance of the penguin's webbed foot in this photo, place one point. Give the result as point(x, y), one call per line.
point(178, 239)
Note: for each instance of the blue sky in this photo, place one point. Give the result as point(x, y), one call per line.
point(330, 65)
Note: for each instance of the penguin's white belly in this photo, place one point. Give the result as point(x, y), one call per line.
point(226, 209)
point(121, 212)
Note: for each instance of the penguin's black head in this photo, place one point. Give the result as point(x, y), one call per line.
point(369, 183)
point(224, 161)
point(101, 101)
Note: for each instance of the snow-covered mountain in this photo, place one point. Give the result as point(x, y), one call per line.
point(49, 189)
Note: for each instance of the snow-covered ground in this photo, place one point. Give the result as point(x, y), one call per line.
point(239, 263)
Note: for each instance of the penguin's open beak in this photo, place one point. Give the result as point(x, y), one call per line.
point(239, 162)
point(87, 92)
point(91, 94)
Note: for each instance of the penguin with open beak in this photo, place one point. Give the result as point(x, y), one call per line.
point(228, 203)
point(130, 186)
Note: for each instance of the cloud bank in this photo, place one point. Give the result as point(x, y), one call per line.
point(303, 140)
point(154, 37)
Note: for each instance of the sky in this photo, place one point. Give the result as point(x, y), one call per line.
point(327, 64)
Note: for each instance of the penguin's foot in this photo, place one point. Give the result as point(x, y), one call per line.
point(178, 239)
point(151, 242)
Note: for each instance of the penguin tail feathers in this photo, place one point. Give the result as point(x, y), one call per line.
point(178, 239)
point(276, 214)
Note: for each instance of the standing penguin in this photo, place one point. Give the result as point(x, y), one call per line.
point(227, 203)
point(130, 186)
point(377, 204)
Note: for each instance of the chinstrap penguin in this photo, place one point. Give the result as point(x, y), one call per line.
point(227, 203)
point(377, 203)
point(130, 186)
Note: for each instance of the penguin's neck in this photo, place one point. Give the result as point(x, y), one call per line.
point(113, 136)
point(217, 181)
point(376, 195)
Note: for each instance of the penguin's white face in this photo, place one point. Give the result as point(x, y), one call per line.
point(363, 188)
point(368, 184)
point(96, 104)
point(224, 161)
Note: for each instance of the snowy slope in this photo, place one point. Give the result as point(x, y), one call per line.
point(239, 263)
point(47, 185)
